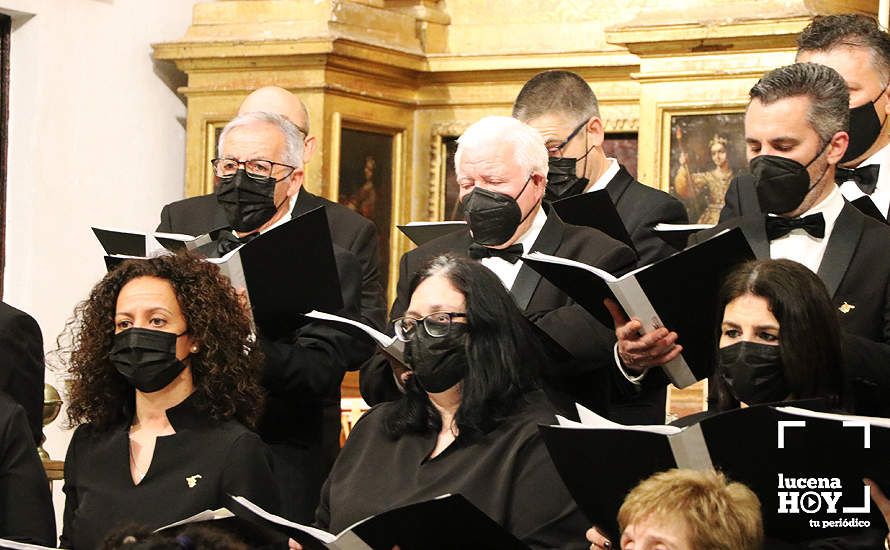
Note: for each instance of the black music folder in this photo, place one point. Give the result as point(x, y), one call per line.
point(678, 292)
point(780, 453)
point(444, 523)
point(677, 234)
point(133, 243)
point(424, 232)
point(288, 270)
point(596, 210)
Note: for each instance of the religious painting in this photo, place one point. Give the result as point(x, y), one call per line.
point(622, 147)
point(706, 152)
point(365, 182)
point(452, 210)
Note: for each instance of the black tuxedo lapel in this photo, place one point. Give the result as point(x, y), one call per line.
point(306, 201)
point(547, 242)
point(754, 229)
point(841, 246)
point(619, 184)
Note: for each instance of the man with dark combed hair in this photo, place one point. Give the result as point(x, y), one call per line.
point(796, 134)
point(561, 106)
point(857, 48)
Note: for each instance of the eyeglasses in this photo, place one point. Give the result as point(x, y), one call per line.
point(258, 169)
point(437, 325)
point(557, 149)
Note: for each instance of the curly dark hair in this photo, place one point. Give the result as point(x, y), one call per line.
point(226, 370)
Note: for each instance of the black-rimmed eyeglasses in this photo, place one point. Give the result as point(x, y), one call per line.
point(557, 149)
point(258, 169)
point(437, 325)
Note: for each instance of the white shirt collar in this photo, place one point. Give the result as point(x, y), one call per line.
point(606, 177)
point(286, 217)
point(830, 208)
point(531, 234)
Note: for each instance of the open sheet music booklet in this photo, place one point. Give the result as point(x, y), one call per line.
point(145, 245)
point(779, 452)
point(428, 525)
point(678, 292)
point(390, 345)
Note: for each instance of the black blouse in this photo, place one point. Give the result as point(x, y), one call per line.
point(508, 475)
point(191, 471)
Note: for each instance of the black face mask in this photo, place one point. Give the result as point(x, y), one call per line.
point(493, 217)
point(753, 372)
point(248, 203)
point(782, 183)
point(438, 363)
point(561, 179)
point(865, 126)
point(146, 358)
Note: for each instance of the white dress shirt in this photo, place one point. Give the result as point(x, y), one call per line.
point(800, 246)
point(607, 176)
point(506, 271)
point(881, 196)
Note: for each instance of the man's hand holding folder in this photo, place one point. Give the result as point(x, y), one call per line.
point(638, 352)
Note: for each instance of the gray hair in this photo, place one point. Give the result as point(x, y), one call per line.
point(529, 150)
point(829, 111)
point(293, 136)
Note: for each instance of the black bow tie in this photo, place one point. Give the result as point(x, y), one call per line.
point(512, 253)
point(866, 177)
point(776, 226)
point(227, 241)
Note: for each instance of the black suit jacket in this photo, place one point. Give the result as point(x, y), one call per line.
point(21, 364)
point(349, 230)
point(584, 376)
point(303, 368)
point(642, 207)
point(26, 507)
point(856, 271)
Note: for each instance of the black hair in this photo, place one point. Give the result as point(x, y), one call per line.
point(827, 32)
point(556, 92)
point(503, 353)
point(809, 330)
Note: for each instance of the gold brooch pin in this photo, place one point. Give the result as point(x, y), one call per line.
point(193, 480)
point(846, 308)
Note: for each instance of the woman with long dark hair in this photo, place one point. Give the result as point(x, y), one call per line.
point(164, 383)
point(468, 421)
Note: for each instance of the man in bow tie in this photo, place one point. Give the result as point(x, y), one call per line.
point(796, 133)
point(857, 48)
point(501, 167)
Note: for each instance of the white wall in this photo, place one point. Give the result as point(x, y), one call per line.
point(96, 138)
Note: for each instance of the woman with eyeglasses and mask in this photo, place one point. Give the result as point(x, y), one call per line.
point(467, 423)
point(164, 379)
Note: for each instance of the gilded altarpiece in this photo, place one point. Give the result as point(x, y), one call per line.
point(420, 71)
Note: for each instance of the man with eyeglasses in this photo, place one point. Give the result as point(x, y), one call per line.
point(259, 178)
point(562, 107)
point(501, 167)
point(349, 230)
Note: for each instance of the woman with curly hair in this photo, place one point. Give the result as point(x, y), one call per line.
point(163, 380)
